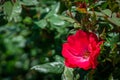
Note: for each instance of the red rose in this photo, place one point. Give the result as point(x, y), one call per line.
point(81, 50)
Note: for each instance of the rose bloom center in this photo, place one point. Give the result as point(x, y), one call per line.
point(86, 55)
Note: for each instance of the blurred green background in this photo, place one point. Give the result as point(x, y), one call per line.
point(31, 33)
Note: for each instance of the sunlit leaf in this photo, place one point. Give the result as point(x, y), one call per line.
point(7, 7)
point(54, 10)
point(96, 13)
point(107, 12)
point(29, 2)
point(110, 77)
point(56, 20)
point(68, 74)
point(67, 19)
point(16, 12)
point(53, 67)
point(12, 11)
point(115, 20)
point(42, 23)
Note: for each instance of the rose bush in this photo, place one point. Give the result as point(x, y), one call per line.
point(81, 50)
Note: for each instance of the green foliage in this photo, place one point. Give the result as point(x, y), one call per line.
point(32, 33)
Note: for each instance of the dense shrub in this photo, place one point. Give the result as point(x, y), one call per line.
point(32, 33)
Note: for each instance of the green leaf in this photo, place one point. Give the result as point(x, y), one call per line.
point(115, 20)
point(58, 58)
point(12, 11)
point(77, 25)
point(28, 20)
point(107, 12)
point(16, 12)
point(55, 9)
point(42, 23)
point(67, 19)
point(112, 40)
point(7, 7)
point(96, 13)
point(53, 67)
point(56, 20)
point(99, 3)
point(110, 77)
point(104, 5)
point(29, 2)
point(68, 74)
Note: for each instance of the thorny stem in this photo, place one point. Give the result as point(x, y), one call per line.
point(69, 13)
